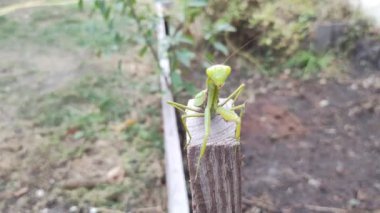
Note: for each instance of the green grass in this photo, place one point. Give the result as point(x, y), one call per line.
point(91, 105)
point(77, 115)
point(65, 27)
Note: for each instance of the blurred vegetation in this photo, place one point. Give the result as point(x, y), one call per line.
point(72, 102)
point(97, 106)
point(209, 31)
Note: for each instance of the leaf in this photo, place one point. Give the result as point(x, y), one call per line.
point(143, 50)
point(185, 56)
point(80, 4)
point(221, 47)
point(224, 27)
point(124, 125)
point(176, 81)
point(118, 38)
point(105, 11)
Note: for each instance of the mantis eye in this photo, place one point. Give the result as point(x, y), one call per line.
point(218, 74)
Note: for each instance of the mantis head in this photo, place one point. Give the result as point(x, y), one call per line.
point(218, 74)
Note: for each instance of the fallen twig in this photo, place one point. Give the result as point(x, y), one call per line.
point(21, 192)
point(325, 209)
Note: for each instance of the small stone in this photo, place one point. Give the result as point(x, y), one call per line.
point(287, 71)
point(361, 195)
point(353, 202)
point(348, 128)
point(322, 81)
point(289, 85)
point(354, 87)
point(304, 145)
point(377, 185)
point(339, 168)
point(286, 210)
point(331, 131)
point(93, 210)
point(263, 119)
point(354, 111)
point(45, 210)
point(314, 182)
point(73, 209)
point(263, 90)
point(289, 190)
point(40, 193)
point(324, 103)
point(352, 154)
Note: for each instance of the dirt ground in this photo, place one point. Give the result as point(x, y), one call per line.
point(312, 146)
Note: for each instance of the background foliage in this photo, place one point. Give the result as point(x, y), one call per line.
point(275, 34)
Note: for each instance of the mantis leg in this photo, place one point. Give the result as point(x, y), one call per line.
point(182, 107)
point(233, 95)
point(183, 120)
point(207, 123)
point(230, 115)
point(241, 107)
point(238, 126)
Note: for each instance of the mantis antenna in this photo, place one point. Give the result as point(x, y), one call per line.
point(238, 50)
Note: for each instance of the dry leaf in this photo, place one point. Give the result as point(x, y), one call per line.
point(116, 175)
point(21, 192)
point(124, 125)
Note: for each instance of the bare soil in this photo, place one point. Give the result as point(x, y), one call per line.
point(312, 146)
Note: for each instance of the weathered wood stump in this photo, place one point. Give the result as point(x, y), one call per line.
point(217, 189)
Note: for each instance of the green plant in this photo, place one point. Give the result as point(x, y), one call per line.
point(180, 41)
point(278, 29)
point(306, 63)
point(208, 30)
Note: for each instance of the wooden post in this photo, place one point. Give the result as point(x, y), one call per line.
point(217, 189)
point(175, 177)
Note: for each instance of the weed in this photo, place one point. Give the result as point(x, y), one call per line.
point(82, 110)
point(307, 63)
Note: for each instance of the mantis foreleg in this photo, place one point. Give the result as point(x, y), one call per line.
point(241, 106)
point(234, 95)
point(183, 120)
point(182, 107)
point(238, 126)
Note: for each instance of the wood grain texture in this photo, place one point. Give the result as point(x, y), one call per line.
point(218, 186)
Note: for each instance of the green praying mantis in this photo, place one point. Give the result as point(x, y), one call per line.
point(208, 104)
